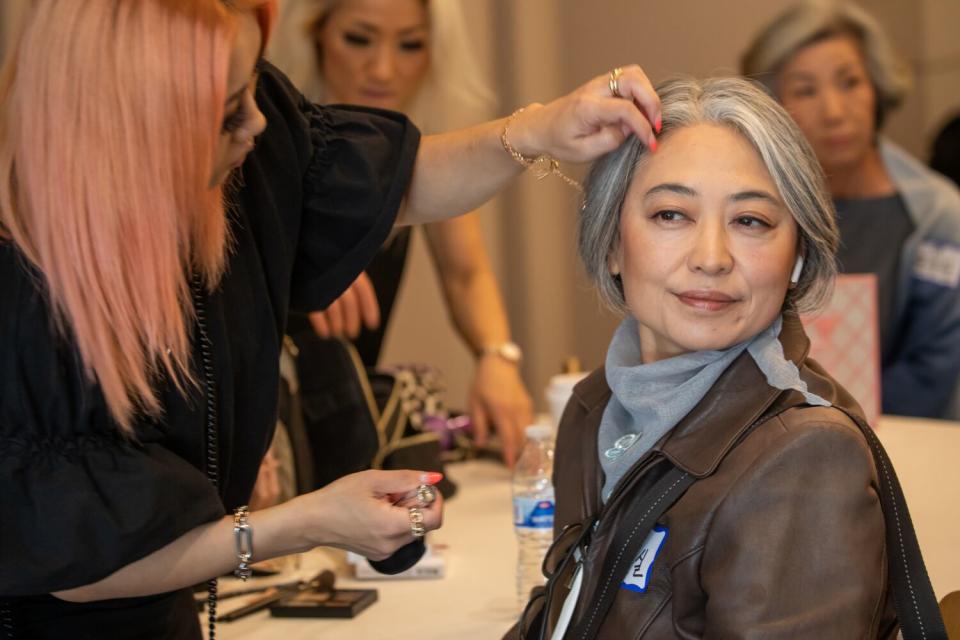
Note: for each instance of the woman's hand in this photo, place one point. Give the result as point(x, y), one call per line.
point(499, 397)
point(590, 121)
point(358, 512)
point(355, 307)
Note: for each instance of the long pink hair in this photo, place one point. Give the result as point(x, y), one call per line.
point(110, 117)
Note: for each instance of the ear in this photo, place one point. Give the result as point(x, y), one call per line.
point(613, 262)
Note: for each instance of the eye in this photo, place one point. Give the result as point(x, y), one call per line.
point(235, 120)
point(803, 92)
point(356, 39)
point(412, 45)
point(751, 222)
point(668, 216)
point(850, 82)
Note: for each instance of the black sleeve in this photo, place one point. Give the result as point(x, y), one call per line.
point(77, 500)
point(356, 165)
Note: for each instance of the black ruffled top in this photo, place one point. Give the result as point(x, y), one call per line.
point(77, 501)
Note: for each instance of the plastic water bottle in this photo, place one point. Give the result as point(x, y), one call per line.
point(533, 508)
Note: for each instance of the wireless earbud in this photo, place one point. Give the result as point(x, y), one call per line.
point(797, 270)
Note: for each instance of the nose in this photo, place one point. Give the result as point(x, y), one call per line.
point(831, 104)
point(259, 122)
point(710, 253)
point(383, 66)
point(254, 126)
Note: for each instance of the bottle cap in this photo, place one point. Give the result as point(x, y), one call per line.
point(571, 364)
point(538, 431)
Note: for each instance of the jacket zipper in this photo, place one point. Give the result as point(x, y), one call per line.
point(211, 449)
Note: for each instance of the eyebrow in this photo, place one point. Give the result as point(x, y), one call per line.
point(683, 190)
point(670, 187)
point(805, 76)
point(367, 26)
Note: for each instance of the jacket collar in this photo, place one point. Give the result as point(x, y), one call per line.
point(739, 398)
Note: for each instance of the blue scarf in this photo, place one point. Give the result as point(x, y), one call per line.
point(650, 399)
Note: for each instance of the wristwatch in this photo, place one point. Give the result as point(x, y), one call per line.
point(509, 351)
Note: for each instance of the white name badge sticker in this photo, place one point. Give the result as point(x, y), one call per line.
point(638, 575)
point(939, 264)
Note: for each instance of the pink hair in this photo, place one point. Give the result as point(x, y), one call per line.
point(110, 117)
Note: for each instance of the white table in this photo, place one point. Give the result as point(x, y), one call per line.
point(476, 598)
point(926, 456)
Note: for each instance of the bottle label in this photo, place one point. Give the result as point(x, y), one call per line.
point(533, 513)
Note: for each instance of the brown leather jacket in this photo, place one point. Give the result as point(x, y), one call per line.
point(781, 536)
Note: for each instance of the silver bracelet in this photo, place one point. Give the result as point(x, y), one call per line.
point(243, 538)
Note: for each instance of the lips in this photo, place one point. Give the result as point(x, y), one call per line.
point(378, 94)
point(706, 299)
point(838, 141)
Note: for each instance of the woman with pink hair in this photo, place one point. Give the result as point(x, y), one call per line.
point(165, 197)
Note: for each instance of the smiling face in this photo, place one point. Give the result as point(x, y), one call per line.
point(706, 245)
point(243, 120)
point(826, 88)
point(374, 53)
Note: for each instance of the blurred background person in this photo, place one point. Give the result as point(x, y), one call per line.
point(833, 69)
point(410, 56)
point(945, 157)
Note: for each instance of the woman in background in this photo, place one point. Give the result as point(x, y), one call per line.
point(411, 56)
point(832, 68)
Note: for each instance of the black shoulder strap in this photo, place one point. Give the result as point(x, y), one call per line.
point(916, 604)
point(626, 544)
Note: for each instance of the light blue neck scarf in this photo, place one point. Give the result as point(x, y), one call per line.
point(650, 399)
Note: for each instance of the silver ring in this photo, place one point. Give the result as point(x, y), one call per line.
point(426, 494)
point(416, 522)
point(614, 82)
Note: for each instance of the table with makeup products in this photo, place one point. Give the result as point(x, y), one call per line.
point(475, 600)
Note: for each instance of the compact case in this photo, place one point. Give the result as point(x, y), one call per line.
point(339, 603)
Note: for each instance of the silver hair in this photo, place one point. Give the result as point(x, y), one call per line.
point(745, 108)
point(810, 21)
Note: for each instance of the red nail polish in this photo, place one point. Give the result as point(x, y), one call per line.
point(431, 478)
point(658, 125)
point(653, 145)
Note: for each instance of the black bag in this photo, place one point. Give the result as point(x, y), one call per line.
point(352, 419)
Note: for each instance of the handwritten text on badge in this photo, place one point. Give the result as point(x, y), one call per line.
point(638, 574)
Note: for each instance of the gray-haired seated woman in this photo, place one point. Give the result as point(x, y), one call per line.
point(710, 245)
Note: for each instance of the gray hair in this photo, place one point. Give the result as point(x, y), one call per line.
point(813, 20)
point(746, 109)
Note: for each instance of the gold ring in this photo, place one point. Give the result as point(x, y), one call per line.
point(614, 82)
point(416, 523)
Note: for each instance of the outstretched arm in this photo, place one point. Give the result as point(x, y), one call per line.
point(457, 172)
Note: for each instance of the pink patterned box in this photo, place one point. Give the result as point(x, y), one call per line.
point(845, 339)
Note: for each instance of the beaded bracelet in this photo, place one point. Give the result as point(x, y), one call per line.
point(243, 539)
point(545, 165)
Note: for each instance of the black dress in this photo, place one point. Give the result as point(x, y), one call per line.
point(77, 502)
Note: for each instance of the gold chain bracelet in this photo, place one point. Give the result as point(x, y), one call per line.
point(544, 165)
